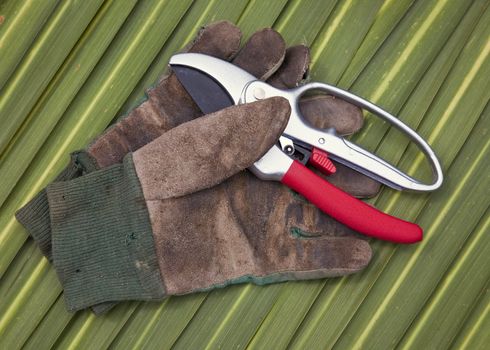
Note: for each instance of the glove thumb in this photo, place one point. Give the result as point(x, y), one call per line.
point(204, 152)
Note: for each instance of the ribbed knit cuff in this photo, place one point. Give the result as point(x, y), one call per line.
point(103, 248)
point(34, 216)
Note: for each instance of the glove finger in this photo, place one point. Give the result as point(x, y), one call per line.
point(306, 220)
point(262, 54)
point(324, 111)
point(202, 153)
point(321, 111)
point(294, 68)
point(220, 39)
point(353, 182)
point(312, 258)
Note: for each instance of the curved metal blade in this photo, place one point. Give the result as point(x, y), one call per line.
point(218, 75)
point(204, 90)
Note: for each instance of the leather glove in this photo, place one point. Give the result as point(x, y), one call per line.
point(168, 105)
point(108, 226)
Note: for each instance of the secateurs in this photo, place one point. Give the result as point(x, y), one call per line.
point(215, 84)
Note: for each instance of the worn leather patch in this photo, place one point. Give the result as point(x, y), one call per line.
point(204, 152)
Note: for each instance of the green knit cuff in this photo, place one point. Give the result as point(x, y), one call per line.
point(34, 216)
point(103, 248)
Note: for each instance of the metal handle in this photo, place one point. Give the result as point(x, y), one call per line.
point(360, 159)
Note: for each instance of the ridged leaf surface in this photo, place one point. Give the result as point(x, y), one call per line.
point(70, 68)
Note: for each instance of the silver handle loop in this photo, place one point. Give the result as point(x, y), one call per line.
point(352, 155)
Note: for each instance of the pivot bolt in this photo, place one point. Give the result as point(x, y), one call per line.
point(259, 93)
point(289, 149)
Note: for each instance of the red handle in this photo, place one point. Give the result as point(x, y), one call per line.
point(348, 210)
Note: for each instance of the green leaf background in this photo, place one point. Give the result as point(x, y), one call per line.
point(69, 68)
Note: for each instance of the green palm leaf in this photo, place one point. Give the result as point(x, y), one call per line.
point(69, 68)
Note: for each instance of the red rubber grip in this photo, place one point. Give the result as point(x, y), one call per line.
point(348, 210)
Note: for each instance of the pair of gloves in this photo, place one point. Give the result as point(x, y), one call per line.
point(161, 204)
